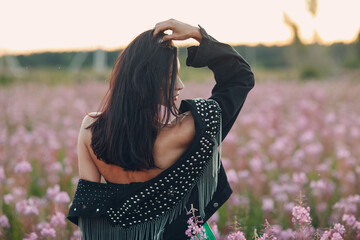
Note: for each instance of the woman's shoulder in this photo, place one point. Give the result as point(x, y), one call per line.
point(180, 131)
point(185, 131)
point(89, 118)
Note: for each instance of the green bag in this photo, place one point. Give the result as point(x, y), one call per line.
point(210, 235)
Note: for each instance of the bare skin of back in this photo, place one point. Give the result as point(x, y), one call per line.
point(171, 142)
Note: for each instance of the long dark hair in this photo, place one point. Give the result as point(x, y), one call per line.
point(143, 78)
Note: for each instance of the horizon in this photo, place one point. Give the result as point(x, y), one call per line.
point(180, 45)
point(72, 27)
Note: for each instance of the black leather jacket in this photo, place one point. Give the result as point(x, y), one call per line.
point(117, 202)
point(234, 79)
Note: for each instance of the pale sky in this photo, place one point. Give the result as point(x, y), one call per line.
point(39, 25)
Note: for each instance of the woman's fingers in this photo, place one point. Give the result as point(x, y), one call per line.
point(180, 30)
point(163, 26)
point(174, 36)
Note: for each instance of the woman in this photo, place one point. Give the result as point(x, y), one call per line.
point(156, 169)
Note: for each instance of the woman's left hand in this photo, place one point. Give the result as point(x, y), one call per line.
point(180, 30)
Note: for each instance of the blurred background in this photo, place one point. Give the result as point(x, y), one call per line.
point(301, 39)
point(292, 157)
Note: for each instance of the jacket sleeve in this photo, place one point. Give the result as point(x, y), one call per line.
point(233, 76)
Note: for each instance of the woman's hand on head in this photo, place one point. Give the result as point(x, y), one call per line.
point(180, 30)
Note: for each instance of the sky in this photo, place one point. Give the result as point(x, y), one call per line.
point(47, 25)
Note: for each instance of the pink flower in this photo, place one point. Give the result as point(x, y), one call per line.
point(19, 192)
point(2, 174)
point(23, 167)
point(32, 236)
point(48, 232)
point(62, 197)
point(339, 228)
point(54, 167)
point(8, 198)
point(215, 230)
point(287, 234)
point(42, 225)
point(214, 218)
point(58, 219)
point(301, 215)
point(349, 219)
point(256, 164)
point(236, 236)
point(325, 235)
point(52, 192)
point(4, 221)
point(275, 229)
point(265, 236)
point(299, 178)
point(231, 138)
point(336, 236)
point(357, 226)
point(321, 207)
point(232, 177)
point(267, 204)
point(306, 137)
point(194, 231)
point(76, 235)
point(27, 207)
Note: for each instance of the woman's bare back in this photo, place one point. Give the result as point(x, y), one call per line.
point(169, 146)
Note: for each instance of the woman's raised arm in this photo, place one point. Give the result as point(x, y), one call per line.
point(180, 30)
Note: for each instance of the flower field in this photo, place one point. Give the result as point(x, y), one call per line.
point(292, 159)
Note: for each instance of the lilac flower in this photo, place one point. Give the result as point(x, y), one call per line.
point(256, 164)
point(18, 192)
point(321, 207)
point(32, 236)
point(267, 204)
point(287, 234)
point(231, 138)
point(236, 236)
point(76, 235)
point(23, 167)
point(289, 206)
point(275, 229)
point(4, 221)
point(301, 215)
point(52, 192)
point(58, 219)
point(349, 219)
point(235, 200)
point(347, 205)
point(2, 174)
point(322, 186)
point(194, 231)
point(48, 232)
point(299, 178)
point(339, 228)
point(27, 207)
point(266, 236)
point(232, 177)
point(336, 236)
point(243, 174)
point(307, 136)
point(357, 226)
point(215, 230)
point(326, 235)
point(62, 197)
point(54, 167)
point(214, 218)
point(42, 225)
point(8, 198)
